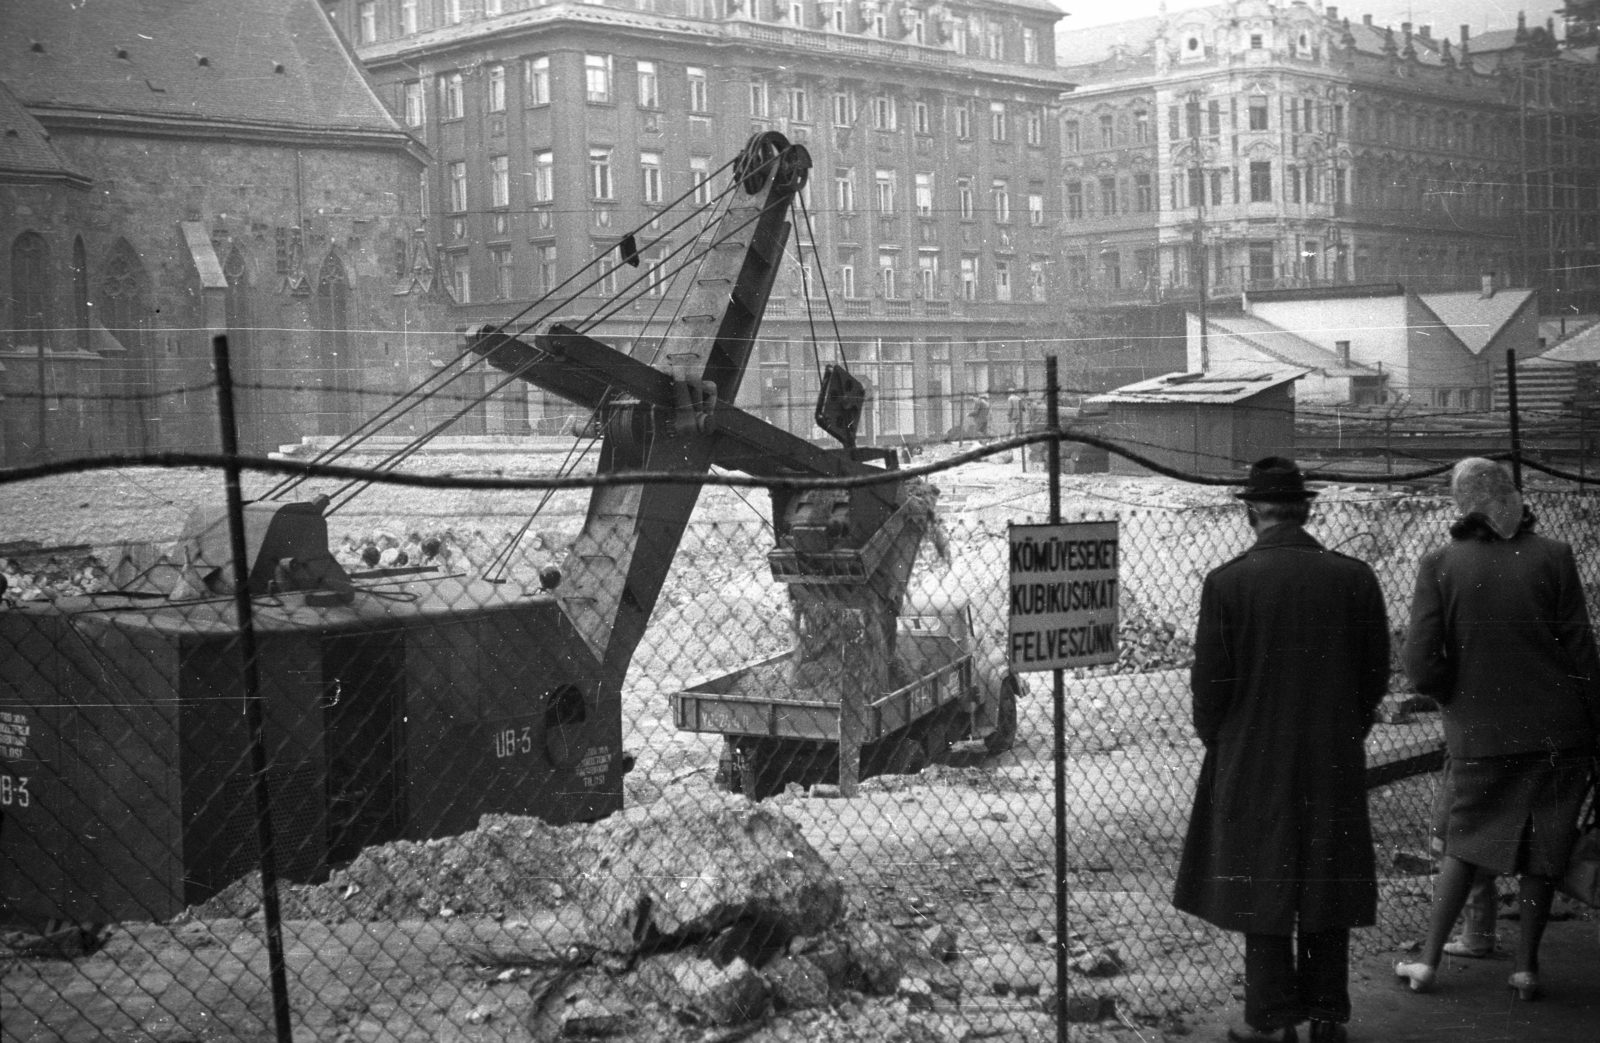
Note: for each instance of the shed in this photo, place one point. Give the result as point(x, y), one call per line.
point(1214, 422)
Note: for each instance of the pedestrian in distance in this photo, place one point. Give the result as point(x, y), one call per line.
point(1017, 412)
point(1501, 638)
point(979, 415)
point(1291, 660)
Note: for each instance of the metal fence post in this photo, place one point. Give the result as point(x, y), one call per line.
point(252, 695)
point(1052, 391)
point(1516, 430)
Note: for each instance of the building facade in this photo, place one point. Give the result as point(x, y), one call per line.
point(557, 129)
point(171, 172)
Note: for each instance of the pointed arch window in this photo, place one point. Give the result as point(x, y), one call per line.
point(30, 290)
point(122, 289)
point(80, 295)
point(334, 362)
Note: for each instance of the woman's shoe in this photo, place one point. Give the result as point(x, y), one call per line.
point(1249, 1034)
point(1328, 1031)
point(1417, 976)
point(1525, 984)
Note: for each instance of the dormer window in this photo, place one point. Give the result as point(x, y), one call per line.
point(1193, 50)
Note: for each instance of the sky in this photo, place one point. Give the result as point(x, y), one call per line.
point(1441, 14)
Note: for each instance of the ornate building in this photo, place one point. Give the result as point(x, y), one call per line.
point(167, 172)
point(1296, 148)
point(557, 128)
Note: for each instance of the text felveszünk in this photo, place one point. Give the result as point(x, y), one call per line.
point(1063, 595)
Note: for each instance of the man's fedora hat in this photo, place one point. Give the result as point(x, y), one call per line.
point(1275, 479)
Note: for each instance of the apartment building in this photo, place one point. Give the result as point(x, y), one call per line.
point(1286, 145)
point(557, 128)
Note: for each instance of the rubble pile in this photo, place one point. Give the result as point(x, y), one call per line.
point(35, 579)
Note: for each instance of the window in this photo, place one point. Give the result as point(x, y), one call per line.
point(1108, 131)
point(844, 190)
point(536, 80)
point(1111, 269)
point(844, 109)
point(650, 171)
point(919, 25)
point(1255, 41)
point(699, 94)
point(880, 23)
point(408, 17)
point(1258, 112)
point(1035, 126)
point(920, 115)
point(700, 174)
point(885, 114)
point(1070, 139)
point(928, 273)
point(1000, 198)
point(1077, 272)
point(1036, 208)
point(416, 111)
point(597, 78)
point(1213, 117)
point(886, 273)
point(31, 290)
point(545, 268)
point(1108, 196)
point(1030, 46)
point(600, 173)
point(499, 181)
point(606, 255)
point(1141, 127)
point(885, 189)
point(1261, 266)
point(836, 17)
point(1144, 196)
point(760, 101)
point(1074, 200)
point(649, 85)
point(1216, 188)
point(799, 105)
point(493, 7)
point(924, 195)
point(452, 12)
point(847, 279)
point(1002, 280)
point(964, 121)
point(544, 177)
point(969, 278)
point(458, 276)
point(994, 43)
point(964, 197)
point(500, 261)
point(1261, 182)
point(451, 104)
point(1197, 187)
point(458, 187)
point(1292, 175)
point(1036, 287)
point(367, 18)
point(997, 121)
point(497, 88)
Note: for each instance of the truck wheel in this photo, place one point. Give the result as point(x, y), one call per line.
point(1004, 735)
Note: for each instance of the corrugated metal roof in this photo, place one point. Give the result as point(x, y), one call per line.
point(1284, 346)
point(188, 59)
point(1221, 386)
point(1476, 319)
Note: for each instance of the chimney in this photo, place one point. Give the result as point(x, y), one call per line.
point(1425, 31)
point(1366, 20)
point(1333, 13)
point(1466, 31)
point(1405, 28)
point(1488, 286)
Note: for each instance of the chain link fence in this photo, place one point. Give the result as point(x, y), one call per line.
point(490, 821)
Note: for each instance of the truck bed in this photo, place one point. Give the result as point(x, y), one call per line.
point(760, 699)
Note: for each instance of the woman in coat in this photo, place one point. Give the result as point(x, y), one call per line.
point(1500, 636)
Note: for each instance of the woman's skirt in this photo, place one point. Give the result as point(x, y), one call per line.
point(1517, 813)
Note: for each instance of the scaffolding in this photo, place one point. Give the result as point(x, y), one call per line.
point(1558, 106)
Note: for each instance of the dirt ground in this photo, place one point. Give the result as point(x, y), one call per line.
point(972, 848)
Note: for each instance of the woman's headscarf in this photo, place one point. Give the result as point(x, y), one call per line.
point(1484, 487)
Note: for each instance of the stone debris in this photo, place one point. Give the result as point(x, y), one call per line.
point(797, 983)
point(695, 862)
point(730, 995)
point(1095, 962)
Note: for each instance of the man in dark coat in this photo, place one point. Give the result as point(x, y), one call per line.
point(1291, 661)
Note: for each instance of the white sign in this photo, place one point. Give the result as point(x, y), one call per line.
point(1063, 595)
